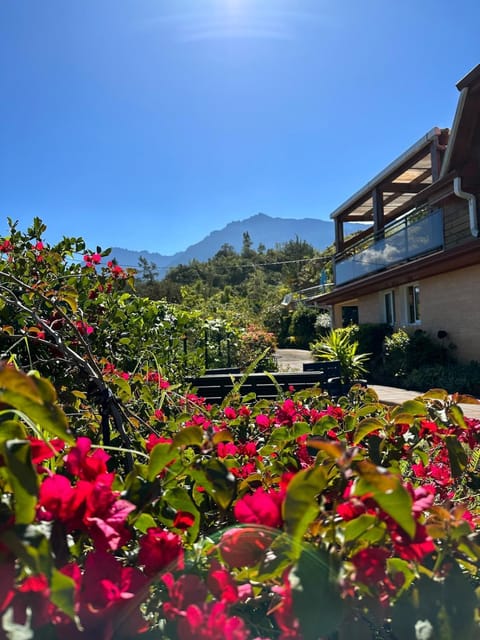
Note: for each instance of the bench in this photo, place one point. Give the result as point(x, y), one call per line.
point(215, 387)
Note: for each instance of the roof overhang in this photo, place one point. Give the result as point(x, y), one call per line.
point(398, 183)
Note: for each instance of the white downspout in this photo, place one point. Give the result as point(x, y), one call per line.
point(472, 205)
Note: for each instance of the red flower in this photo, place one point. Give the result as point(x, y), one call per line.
point(370, 564)
point(183, 520)
point(41, 450)
point(153, 440)
point(160, 548)
point(109, 597)
point(6, 246)
point(261, 507)
point(245, 546)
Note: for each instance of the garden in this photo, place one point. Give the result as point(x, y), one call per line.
point(133, 509)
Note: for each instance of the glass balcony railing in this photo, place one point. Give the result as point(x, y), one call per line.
point(413, 236)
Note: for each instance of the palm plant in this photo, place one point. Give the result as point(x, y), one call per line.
point(340, 345)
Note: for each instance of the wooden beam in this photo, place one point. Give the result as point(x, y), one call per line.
point(339, 235)
point(404, 187)
point(378, 218)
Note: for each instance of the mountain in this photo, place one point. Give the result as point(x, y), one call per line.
point(262, 229)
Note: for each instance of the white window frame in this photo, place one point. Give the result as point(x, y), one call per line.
point(388, 300)
point(413, 311)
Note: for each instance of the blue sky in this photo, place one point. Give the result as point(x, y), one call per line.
point(146, 124)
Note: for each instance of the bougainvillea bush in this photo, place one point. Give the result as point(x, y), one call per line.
point(301, 518)
point(132, 509)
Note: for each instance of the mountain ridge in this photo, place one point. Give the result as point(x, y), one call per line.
point(262, 228)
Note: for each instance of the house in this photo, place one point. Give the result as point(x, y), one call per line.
point(417, 262)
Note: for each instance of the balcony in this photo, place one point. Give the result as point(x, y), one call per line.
point(416, 234)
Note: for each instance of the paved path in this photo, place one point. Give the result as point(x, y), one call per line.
point(293, 359)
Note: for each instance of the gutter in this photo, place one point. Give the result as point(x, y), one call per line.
point(472, 205)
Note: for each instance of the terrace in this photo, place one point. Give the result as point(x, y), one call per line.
point(401, 226)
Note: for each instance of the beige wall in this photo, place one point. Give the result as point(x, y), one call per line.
point(451, 302)
point(448, 302)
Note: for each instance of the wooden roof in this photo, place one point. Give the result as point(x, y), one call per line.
point(406, 176)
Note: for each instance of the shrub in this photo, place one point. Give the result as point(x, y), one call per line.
point(341, 345)
point(405, 353)
point(253, 342)
point(454, 378)
point(302, 326)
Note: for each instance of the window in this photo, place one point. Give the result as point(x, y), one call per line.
point(389, 307)
point(349, 316)
point(413, 304)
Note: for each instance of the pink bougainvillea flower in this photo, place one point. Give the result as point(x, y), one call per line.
point(89, 506)
point(7, 581)
point(154, 376)
point(261, 507)
point(84, 328)
point(84, 462)
point(159, 415)
point(159, 548)
point(226, 449)
point(32, 595)
point(244, 411)
point(109, 598)
point(284, 613)
point(262, 421)
point(106, 514)
point(230, 413)
point(221, 583)
point(188, 589)
point(153, 440)
point(211, 622)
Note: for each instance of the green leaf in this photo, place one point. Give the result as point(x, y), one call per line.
point(23, 479)
point(435, 394)
point(179, 500)
point(414, 408)
point(188, 436)
point(457, 456)
point(12, 430)
point(218, 481)
point(368, 409)
point(162, 454)
point(326, 423)
point(365, 427)
point(300, 507)
point(36, 398)
point(62, 592)
point(455, 414)
point(316, 594)
point(388, 492)
point(143, 522)
point(357, 527)
point(397, 565)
